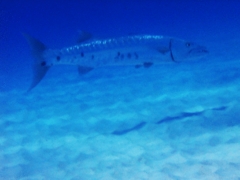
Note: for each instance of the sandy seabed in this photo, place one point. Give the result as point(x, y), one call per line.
point(174, 121)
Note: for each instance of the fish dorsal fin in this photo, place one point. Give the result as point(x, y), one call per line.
point(84, 70)
point(83, 36)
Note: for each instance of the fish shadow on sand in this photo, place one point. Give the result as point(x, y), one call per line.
point(169, 119)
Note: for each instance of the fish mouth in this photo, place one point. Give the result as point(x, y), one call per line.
point(199, 50)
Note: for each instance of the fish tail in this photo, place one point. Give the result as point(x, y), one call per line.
point(40, 67)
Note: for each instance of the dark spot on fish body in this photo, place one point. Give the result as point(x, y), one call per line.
point(136, 55)
point(147, 64)
point(118, 55)
point(58, 58)
point(129, 55)
point(188, 44)
point(92, 57)
point(43, 63)
point(82, 54)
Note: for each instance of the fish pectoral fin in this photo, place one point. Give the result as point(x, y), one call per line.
point(84, 70)
point(163, 50)
point(83, 36)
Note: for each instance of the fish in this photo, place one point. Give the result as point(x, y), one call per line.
point(133, 50)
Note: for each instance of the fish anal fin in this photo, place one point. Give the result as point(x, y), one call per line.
point(84, 70)
point(147, 64)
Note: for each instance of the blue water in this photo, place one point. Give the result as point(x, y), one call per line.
point(175, 121)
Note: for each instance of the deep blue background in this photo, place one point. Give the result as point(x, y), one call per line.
point(56, 23)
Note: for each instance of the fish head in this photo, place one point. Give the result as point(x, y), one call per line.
point(182, 50)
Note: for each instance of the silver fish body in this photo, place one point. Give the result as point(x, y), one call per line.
point(139, 50)
point(129, 50)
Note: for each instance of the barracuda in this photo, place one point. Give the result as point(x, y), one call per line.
point(138, 51)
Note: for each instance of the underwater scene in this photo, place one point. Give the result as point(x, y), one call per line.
point(119, 90)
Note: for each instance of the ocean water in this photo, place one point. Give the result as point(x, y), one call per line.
point(175, 121)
